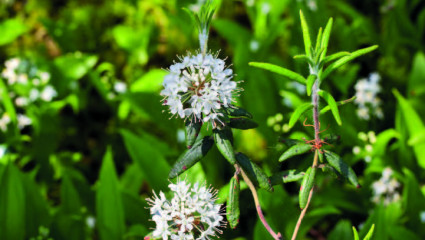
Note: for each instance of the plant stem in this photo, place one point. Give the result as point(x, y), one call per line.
point(251, 186)
point(315, 101)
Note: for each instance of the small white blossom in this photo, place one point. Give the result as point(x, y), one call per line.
point(91, 222)
point(21, 101)
point(23, 121)
point(48, 93)
point(366, 97)
point(4, 121)
point(45, 77)
point(385, 189)
point(198, 88)
point(120, 87)
point(191, 213)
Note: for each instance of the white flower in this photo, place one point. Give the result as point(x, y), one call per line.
point(385, 189)
point(21, 101)
point(4, 121)
point(198, 88)
point(34, 94)
point(23, 121)
point(366, 97)
point(48, 93)
point(191, 213)
point(90, 222)
point(120, 87)
point(265, 8)
point(45, 77)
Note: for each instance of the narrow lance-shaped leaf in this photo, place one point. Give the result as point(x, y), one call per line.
point(109, 209)
point(192, 131)
point(318, 40)
point(306, 34)
point(279, 70)
point(341, 167)
point(286, 177)
point(298, 112)
point(224, 139)
point(310, 81)
point(332, 104)
point(290, 142)
point(254, 172)
point(232, 207)
point(242, 123)
point(346, 59)
point(325, 38)
point(335, 56)
point(340, 103)
point(306, 186)
point(331, 171)
point(191, 156)
point(294, 151)
point(356, 234)
point(370, 233)
point(7, 102)
point(235, 111)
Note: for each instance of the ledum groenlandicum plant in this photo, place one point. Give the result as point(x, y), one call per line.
point(200, 90)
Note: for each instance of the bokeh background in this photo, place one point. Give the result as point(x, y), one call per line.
point(84, 137)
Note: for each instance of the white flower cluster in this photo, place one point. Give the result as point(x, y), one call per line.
point(191, 214)
point(365, 152)
point(366, 97)
point(26, 85)
point(198, 88)
point(386, 188)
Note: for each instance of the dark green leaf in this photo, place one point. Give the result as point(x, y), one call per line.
point(254, 172)
point(340, 103)
point(232, 207)
point(332, 104)
point(71, 203)
point(294, 151)
point(306, 185)
point(192, 131)
point(242, 123)
point(279, 70)
point(298, 112)
point(12, 204)
point(238, 112)
point(224, 142)
point(109, 209)
point(191, 156)
point(310, 81)
point(286, 176)
point(341, 167)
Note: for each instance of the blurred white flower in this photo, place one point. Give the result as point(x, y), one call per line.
point(198, 87)
point(250, 3)
point(265, 8)
point(422, 216)
point(366, 97)
point(191, 214)
point(120, 87)
point(21, 101)
point(34, 94)
point(254, 45)
point(22, 78)
point(48, 93)
point(23, 121)
point(385, 189)
point(312, 5)
point(90, 222)
point(4, 121)
point(45, 77)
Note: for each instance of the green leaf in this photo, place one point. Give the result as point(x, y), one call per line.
point(340, 103)
point(318, 41)
point(342, 231)
point(306, 34)
point(306, 185)
point(232, 208)
point(12, 204)
point(109, 209)
point(235, 111)
point(332, 104)
point(356, 234)
point(335, 56)
point(341, 167)
point(298, 112)
point(11, 29)
point(414, 125)
point(71, 203)
point(191, 156)
point(75, 66)
point(254, 172)
point(310, 81)
point(7, 102)
point(224, 139)
point(325, 38)
point(330, 170)
point(149, 82)
point(279, 70)
point(286, 177)
point(192, 131)
point(294, 151)
point(242, 123)
point(346, 59)
point(144, 154)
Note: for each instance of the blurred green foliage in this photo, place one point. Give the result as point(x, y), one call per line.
point(83, 164)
